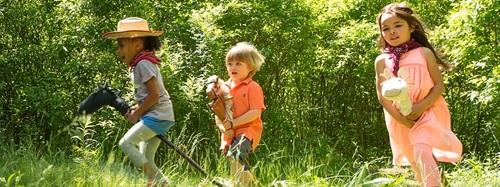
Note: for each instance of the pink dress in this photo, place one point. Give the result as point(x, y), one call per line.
point(434, 126)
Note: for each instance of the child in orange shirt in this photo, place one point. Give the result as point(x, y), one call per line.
point(242, 136)
point(424, 136)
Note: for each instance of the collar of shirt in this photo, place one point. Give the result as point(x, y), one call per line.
point(246, 81)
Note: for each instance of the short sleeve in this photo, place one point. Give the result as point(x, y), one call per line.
point(256, 96)
point(146, 70)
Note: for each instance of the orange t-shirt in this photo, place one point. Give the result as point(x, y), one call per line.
point(247, 95)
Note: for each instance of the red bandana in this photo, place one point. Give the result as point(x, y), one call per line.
point(145, 55)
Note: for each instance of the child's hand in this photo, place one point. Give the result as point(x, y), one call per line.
point(131, 116)
point(405, 121)
point(416, 112)
point(227, 124)
point(227, 132)
point(130, 110)
point(133, 107)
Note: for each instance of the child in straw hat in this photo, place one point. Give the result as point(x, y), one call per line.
point(154, 113)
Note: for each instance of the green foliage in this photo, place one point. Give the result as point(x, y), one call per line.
point(476, 171)
point(318, 79)
point(470, 40)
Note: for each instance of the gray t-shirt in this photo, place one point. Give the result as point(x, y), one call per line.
point(143, 72)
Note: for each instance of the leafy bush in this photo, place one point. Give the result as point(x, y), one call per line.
point(317, 80)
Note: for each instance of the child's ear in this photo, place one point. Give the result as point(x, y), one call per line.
point(412, 28)
point(138, 43)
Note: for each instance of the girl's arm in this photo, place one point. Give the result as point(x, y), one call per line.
point(435, 92)
point(387, 104)
point(149, 101)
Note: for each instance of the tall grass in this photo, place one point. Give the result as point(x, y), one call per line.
point(28, 167)
point(87, 163)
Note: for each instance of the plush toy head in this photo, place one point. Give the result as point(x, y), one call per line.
point(220, 99)
point(214, 83)
point(395, 88)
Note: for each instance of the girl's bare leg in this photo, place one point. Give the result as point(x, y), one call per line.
point(426, 165)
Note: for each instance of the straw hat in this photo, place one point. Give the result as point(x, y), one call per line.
point(132, 27)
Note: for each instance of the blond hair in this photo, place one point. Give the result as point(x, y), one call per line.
point(246, 53)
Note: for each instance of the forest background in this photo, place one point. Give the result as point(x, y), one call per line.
point(318, 79)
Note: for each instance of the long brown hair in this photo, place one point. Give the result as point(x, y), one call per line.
point(403, 11)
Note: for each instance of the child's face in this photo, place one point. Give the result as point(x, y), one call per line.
point(127, 49)
point(395, 30)
point(238, 71)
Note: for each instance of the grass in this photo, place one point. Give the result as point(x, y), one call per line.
point(27, 166)
point(88, 163)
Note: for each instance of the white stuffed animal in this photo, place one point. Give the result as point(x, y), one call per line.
point(396, 89)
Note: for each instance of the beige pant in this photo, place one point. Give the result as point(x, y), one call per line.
point(148, 143)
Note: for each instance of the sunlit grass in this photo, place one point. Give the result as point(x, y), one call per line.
point(26, 166)
point(87, 164)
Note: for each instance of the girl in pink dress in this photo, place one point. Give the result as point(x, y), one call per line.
point(423, 137)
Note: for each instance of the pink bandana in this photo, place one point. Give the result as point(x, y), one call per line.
point(396, 52)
